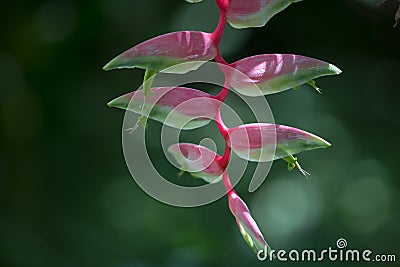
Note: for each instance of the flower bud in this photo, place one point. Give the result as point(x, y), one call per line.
point(199, 161)
point(247, 225)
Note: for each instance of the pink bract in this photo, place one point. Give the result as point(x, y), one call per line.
point(175, 106)
point(247, 225)
point(254, 13)
point(266, 142)
point(272, 73)
point(200, 161)
point(165, 51)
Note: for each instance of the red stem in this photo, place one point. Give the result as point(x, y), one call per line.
point(219, 31)
point(227, 183)
point(221, 126)
point(217, 36)
point(223, 4)
point(224, 160)
point(219, 59)
point(224, 92)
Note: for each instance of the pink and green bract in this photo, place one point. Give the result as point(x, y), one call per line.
point(262, 142)
point(254, 13)
point(247, 225)
point(179, 107)
point(200, 161)
point(165, 51)
point(273, 73)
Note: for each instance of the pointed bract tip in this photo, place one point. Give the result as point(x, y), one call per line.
point(325, 143)
point(319, 141)
point(116, 63)
point(334, 69)
point(106, 67)
point(113, 103)
point(109, 66)
point(121, 102)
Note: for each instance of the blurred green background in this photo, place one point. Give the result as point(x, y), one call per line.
point(67, 198)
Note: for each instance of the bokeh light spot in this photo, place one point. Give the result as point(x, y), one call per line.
point(287, 206)
point(55, 21)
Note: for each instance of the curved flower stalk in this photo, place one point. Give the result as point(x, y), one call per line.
point(273, 73)
point(254, 13)
point(179, 107)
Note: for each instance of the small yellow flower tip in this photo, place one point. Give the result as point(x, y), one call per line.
point(313, 84)
point(141, 121)
point(132, 129)
point(305, 173)
point(182, 172)
point(293, 163)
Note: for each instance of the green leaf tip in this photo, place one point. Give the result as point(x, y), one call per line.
point(117, 103)
point(112, 64)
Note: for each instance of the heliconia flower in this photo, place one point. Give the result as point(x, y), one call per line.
point(199, 161)
point(271, 73)
point(247, 225)
point(168, 50)
point(179, 107)
point(263, 142)
point(254, 13)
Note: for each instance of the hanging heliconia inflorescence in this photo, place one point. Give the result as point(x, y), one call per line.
point(256, 76)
